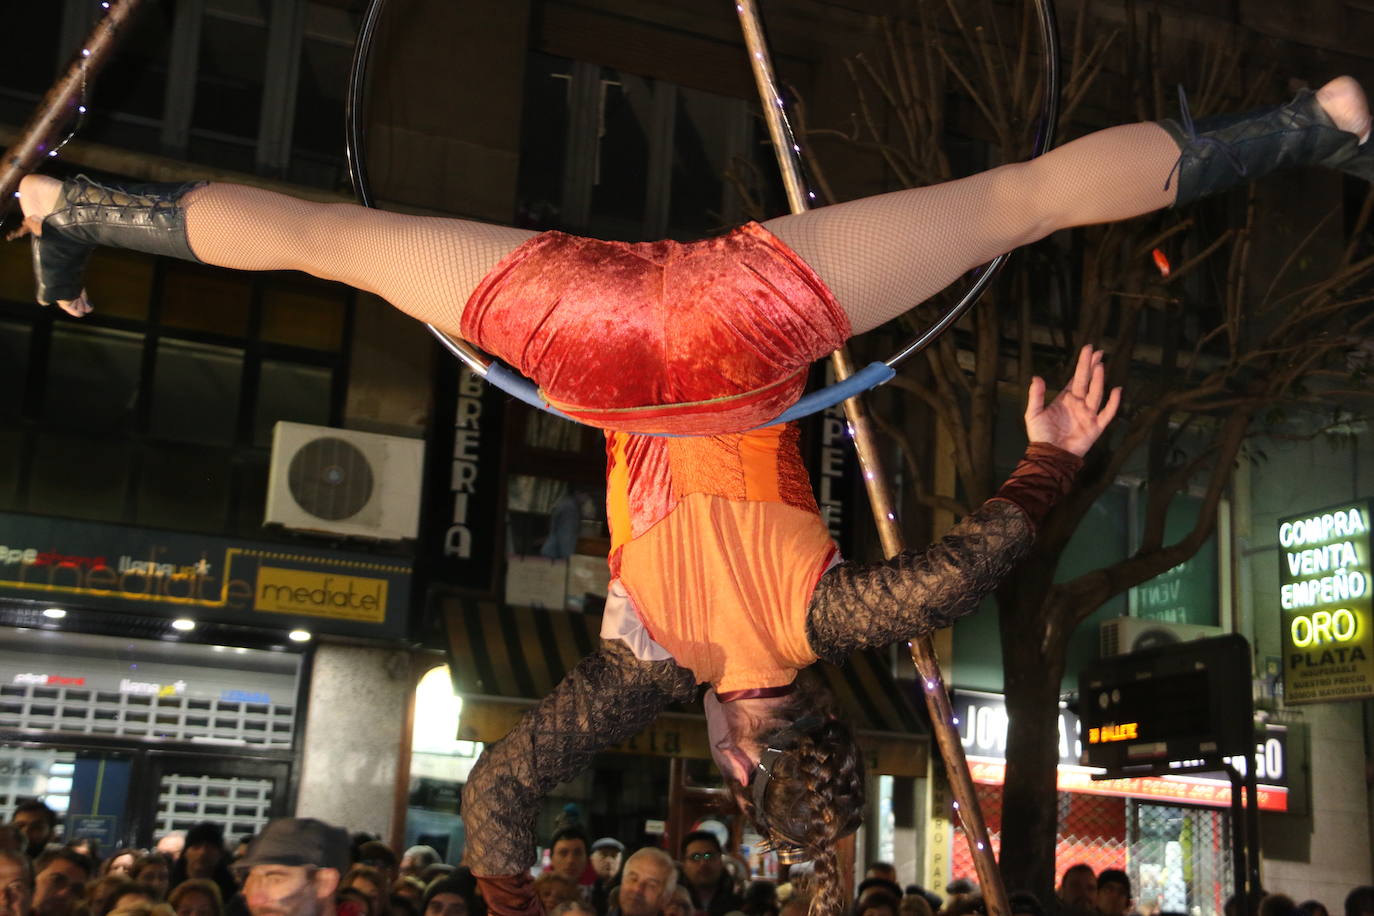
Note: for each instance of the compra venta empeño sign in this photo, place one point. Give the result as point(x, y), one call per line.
point(1325, 600)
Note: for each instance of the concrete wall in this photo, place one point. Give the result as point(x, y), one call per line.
point(353, 728)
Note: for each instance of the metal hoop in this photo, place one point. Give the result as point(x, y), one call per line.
point(516, 385)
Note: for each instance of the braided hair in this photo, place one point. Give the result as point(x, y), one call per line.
point(815, 796)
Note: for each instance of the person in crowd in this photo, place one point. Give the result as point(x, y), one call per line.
point(417, 858)
point(1360, 901)
point(703, 871)
point(10, 839)
point(879, 902)
point(877, 885)
point(760, 899)
point(59, 882)
point(37, 825)
point(171, 844)
point(382, 857)
point(143, 908)
point(436, 871)
point(372, 883)
point(1077, 893)
point(448, 897)
point(154, 869)
point(569, 854)
point(196, 897)
point(87, 846)
point(408, 888)
point(1114, 892)
point(242, 845)
point(1275, 905)
point(647, 885)
point(120, 862)
point(102, 893)
point(606, 856)
point(885, 870)
point(16, 883)
point(914, 905)
point(796, 905)
point(293, 868)
point(402, 906)
point(349, 901)
point(205, 857)
point(1024, 903)
point(553, 888)
point(935, 900)
point(680, 903)
point(574, 908)
point(134, 894)
point(1313, 908)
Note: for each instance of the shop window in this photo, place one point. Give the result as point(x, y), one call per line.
point(615, 155)
point(178, 485)
point(230, 70)
point(556, 531)
point(439, 767)
point(291, 391)
point(15, 339)
point(78, 476)
point(16, 274)
point(301, 314)
point(39, 773)
point(196, 392)
point(124, 281)
point(93, 378)
point(196, 298)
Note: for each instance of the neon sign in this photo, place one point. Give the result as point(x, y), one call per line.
point(1326, 604)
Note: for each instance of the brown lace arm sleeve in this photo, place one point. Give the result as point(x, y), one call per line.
point(609, 697)
point(866, 605)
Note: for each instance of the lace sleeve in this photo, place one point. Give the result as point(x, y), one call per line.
point(867, 605)
point(608, 697)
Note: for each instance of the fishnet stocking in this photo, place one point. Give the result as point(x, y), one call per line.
point(882, 255)
point(879, 255)
point(425, 266)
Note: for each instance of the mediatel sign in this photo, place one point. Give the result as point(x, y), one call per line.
point(1325, 602)
point(144, 571)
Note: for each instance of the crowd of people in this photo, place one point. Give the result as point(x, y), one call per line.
point(304, 867)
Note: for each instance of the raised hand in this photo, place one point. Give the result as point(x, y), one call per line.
point(1075, 418)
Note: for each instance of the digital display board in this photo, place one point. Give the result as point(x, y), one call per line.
point(1184, 701)
point(1325, 604)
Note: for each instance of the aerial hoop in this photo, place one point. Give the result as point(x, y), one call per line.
point(872, 375)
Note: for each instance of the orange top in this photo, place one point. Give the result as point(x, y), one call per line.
point(719, 543)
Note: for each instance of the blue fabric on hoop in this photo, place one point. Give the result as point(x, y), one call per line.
point(870, 376)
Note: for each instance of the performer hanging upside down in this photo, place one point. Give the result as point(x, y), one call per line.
point(720, 556)
point(706, 337)
point(726, 576)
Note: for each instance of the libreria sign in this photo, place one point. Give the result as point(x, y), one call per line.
point(1325, 601)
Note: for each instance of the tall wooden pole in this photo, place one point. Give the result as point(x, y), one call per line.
point(884, 513)
point(62, 105)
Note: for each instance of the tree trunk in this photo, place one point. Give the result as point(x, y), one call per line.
point(1030, 809)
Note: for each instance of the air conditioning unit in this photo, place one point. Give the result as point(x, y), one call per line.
point(343, 482)
point(1124, 635)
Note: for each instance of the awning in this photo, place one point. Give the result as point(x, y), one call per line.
point(505, 658)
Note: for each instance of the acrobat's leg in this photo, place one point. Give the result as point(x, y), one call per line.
point(426, 266)
point(881, 255)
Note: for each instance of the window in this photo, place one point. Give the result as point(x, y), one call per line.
point(158, 408)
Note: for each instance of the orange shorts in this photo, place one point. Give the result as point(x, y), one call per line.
point(696, 338)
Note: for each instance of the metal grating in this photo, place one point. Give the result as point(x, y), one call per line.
point(87, 711)
point(238, 804)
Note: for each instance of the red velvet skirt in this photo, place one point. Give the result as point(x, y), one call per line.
point(697, 338)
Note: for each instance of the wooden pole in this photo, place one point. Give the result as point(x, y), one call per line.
point(62, 104)
point(970, 815)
